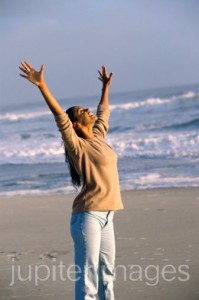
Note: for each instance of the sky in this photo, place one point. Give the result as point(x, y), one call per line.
point(145, 43)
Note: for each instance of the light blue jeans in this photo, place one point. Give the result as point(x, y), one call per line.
point(94, 254)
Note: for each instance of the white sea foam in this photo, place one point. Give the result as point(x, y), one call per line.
point(156, 145)
point(63, 190)
point(153, 101)
point(187, 96)
point(23, 116)
point(13, 117)
point(190, 95)
point(136, 104)
point(126, 144)
point(156, 180)
point(35, 154)
point(123, 106)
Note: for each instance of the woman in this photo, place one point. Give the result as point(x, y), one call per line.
point(93, 164)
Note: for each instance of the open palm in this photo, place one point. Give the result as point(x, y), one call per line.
point(36, 77)
point(106, 80)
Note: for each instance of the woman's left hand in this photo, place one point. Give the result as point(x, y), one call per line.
point(106, 80)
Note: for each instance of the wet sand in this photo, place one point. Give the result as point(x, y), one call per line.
point(157, 244)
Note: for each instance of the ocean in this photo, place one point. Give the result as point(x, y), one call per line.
point(155, 134)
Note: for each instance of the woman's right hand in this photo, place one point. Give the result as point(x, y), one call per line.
point(31, 74)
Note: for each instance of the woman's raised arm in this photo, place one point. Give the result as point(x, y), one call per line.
point(37, 78)
point(106, 83)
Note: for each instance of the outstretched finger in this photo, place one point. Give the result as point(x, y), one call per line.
point(23, 63)
point(23, 76)
point(100, 78)
point(100, 73)
point(104, 70)
point(29, 65)
point(24, 70)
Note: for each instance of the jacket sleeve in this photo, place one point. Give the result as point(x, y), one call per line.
point(71, 140)
point(101, 125)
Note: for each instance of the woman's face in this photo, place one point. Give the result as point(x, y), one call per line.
point(84, 116)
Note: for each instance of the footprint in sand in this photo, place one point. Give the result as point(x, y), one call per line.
point(48, 255)
point(13, 255)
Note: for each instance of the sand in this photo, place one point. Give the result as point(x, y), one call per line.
point(157, 241)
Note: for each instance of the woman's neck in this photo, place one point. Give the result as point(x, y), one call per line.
point(86, 133)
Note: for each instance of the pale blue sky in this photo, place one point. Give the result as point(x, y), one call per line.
point(146, 43)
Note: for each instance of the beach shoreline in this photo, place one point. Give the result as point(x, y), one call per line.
point(156, 238)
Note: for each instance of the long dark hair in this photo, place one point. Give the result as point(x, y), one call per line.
point(75, 177)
